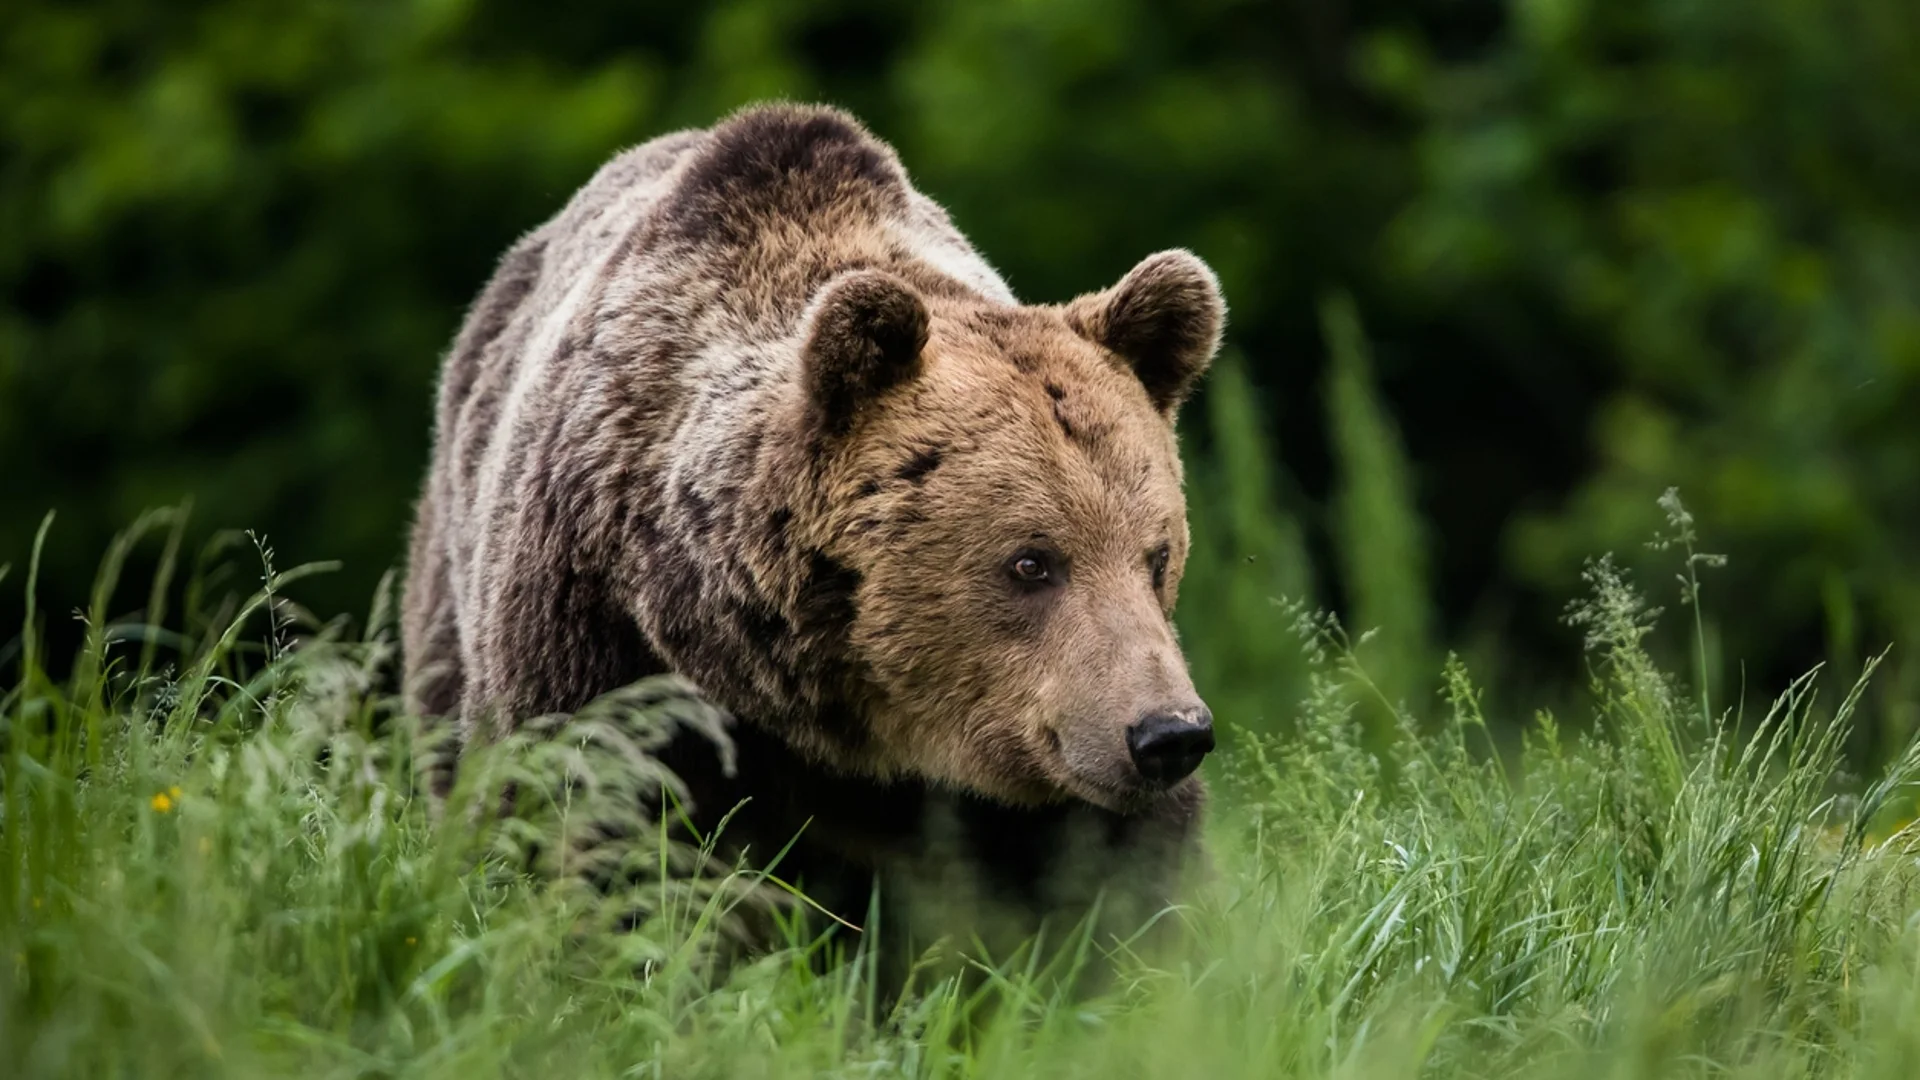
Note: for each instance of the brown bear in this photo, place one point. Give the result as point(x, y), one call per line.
point(751, 410)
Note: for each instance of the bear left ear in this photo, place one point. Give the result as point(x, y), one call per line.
point(865, 336)
point(1164, 318)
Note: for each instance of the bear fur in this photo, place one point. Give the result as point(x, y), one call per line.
point(750, 410)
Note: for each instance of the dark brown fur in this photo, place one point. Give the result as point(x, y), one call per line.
point(750, 410)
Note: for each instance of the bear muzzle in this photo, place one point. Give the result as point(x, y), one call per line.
point(1167, 746)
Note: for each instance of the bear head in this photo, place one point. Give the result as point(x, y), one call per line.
point(1004, 485)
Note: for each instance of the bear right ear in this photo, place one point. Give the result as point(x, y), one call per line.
point(866, 332)
point(1163, 319)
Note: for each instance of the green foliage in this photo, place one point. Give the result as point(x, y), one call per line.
point(1713, 198)
point(1249, 576)
point(1378, 529)
point(1602, 249)
point(219, 866)
point(237, 237)
point(1247, 567)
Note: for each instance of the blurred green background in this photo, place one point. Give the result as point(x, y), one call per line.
point(1500, 273)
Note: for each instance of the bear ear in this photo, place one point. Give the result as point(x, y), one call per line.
point(864, 336)
point(1164, 319)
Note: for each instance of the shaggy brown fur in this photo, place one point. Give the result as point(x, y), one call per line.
point(751, 410)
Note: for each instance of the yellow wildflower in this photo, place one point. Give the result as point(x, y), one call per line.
point(161, 803)
point(174, 791)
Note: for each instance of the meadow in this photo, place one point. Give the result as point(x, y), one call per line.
point(1495, 820)
point(218, 864)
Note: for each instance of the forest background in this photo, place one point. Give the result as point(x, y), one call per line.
point(1500, 274)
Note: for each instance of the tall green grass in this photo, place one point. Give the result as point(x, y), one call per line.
point(216, 865)
point(1248, 563)
point(1250, 577)
point(1378, 532)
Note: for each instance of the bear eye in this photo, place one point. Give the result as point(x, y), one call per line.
point(1030, 567)
point(1158, 561)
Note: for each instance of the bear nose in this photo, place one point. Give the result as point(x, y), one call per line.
point(1166, 746)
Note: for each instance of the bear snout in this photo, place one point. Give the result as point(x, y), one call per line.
point(1167, 746)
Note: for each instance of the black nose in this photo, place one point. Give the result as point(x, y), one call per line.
point(1166, 746)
